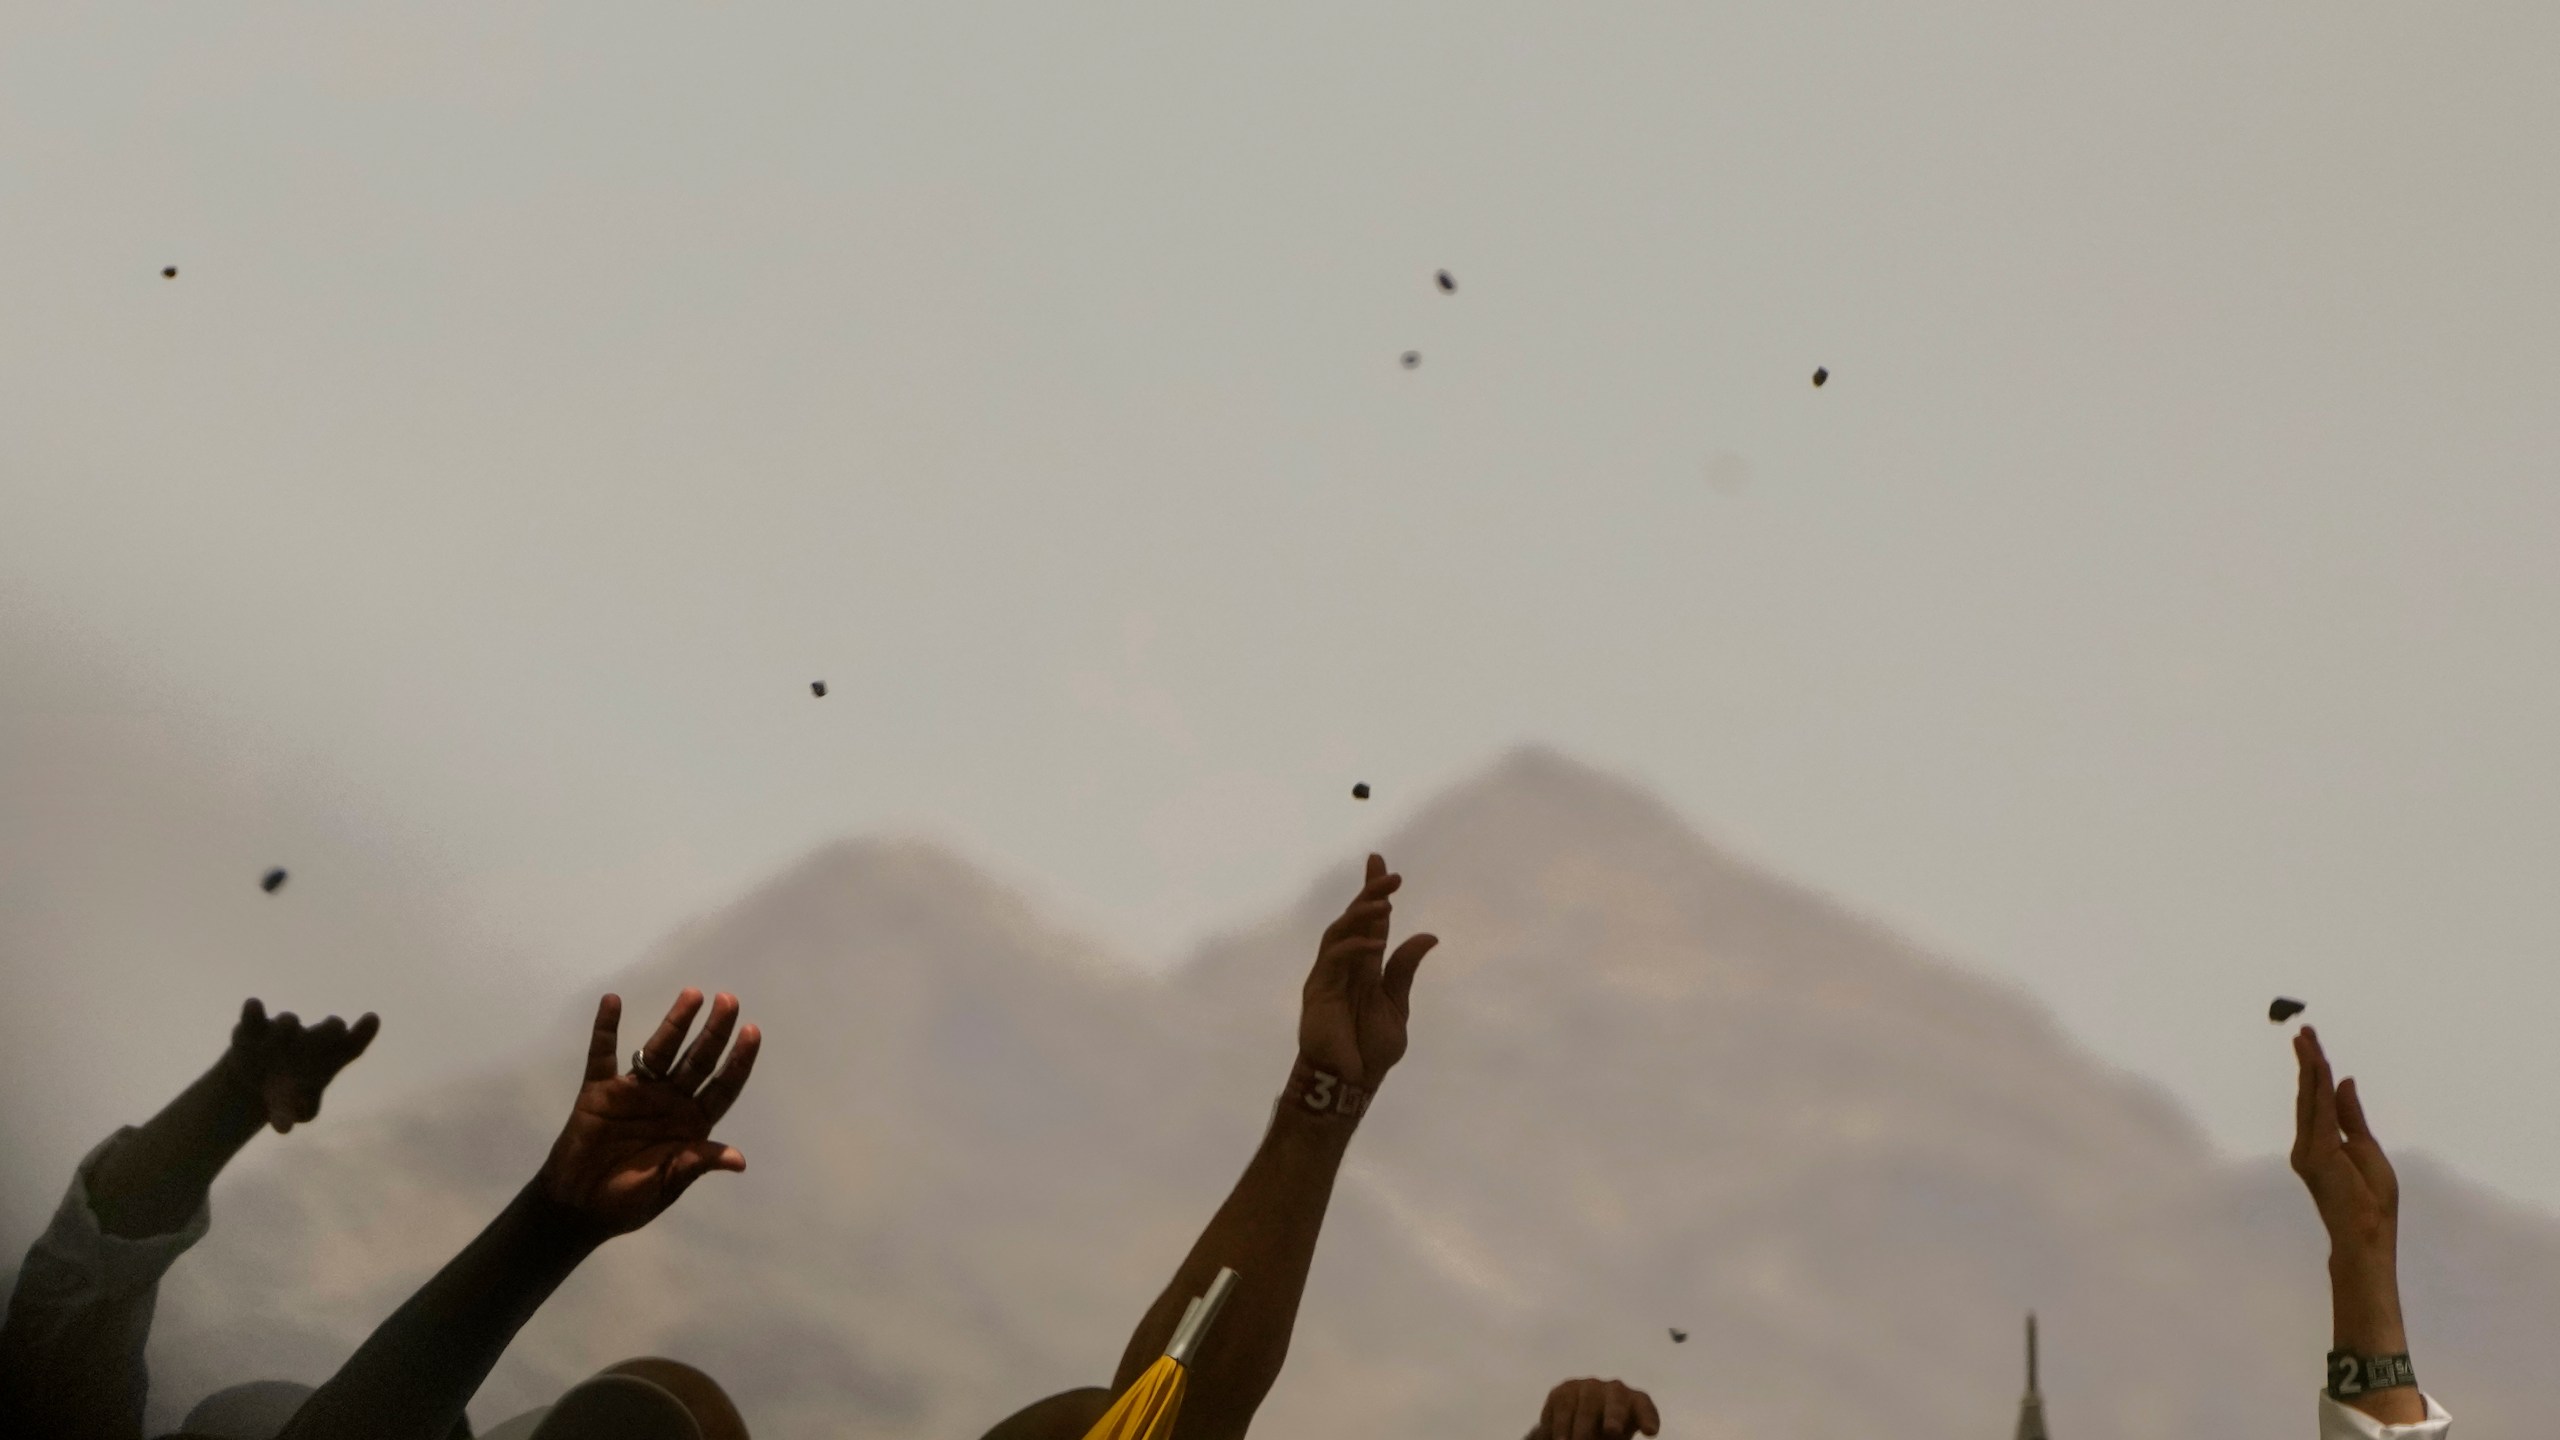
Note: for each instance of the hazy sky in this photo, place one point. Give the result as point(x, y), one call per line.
point(2152, 609)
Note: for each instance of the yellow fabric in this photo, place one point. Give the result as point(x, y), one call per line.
point(1146, 1412)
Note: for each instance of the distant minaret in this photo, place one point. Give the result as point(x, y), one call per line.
point(2031, 1408)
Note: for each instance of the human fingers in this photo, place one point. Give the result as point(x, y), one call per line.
point(1398, 979)
point(1343, 966)
point(360, 1035)
point(2301, 1098)
point(1366, 912)
point(603, 1043)
point(1586, 1412)
point(698, 1160)
point(325, 1053)
point(722, 1092)
point(660, 1051)
point(695, 1067)
point(253, 1023)
point(2351, 1113)
point(1647, 1418)
point(2324, 1096)
point(2362, 1148)
point(1614, 1411)
point(1548, 1427)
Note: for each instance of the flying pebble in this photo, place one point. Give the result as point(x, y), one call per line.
point(1679, 1337)
point(818, 688)
point(1360, 791)
point(1412, 358)
point(1820, 375)
point(274, 881)
point(2283, 1010)
point(1448, 283)
point(169, 273)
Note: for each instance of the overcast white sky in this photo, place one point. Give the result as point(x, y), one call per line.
point(2153, 609)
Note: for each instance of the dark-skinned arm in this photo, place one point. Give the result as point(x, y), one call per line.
point(154, 1178)
point(633, 1144)
point(1351, 1032)
point(71, 1350)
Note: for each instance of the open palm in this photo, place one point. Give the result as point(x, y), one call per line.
point(634, 1142)
point(1357, 999)
point(2350, 1179)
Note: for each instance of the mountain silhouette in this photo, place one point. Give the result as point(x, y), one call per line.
point(1650, 1086)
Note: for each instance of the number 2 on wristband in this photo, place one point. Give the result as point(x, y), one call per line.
point(2346, 1376)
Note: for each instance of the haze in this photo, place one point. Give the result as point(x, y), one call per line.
point(2150, 611)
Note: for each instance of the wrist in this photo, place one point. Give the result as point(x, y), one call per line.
point(239, 1097)
point(1317, 1109)
point(554, 1222)
point(1320, 1091)
point(2360, 1375)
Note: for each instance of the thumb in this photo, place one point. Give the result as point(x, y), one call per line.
point(2363, 1150)
point(1398, 977)
point(2351, 1113)
point(697, 1160)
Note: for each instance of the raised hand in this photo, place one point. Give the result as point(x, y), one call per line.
point(635, 1141)
point(1352, 1020)
point(2350, 1179)
point(286, 1065)
point(1596, 1410)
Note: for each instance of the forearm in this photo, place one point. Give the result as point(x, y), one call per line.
point(411, 1379)
point(1266, 1232)
point(152, 1180)
point(2364, 1306)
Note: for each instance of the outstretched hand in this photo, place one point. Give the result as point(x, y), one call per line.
point(636, 1141)
point(1596, 1410)
point(1352, 1020)
point(286, 1065)
point(2350, 1179)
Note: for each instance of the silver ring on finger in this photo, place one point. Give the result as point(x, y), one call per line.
point(641, 1067)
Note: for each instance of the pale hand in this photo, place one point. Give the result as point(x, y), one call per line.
point(2350, 1179)
point(633, 1144)
point(1596, 1410)
point(286, 1066)
point(1352, 1021)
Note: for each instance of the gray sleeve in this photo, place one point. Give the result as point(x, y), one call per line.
point(71, 1348)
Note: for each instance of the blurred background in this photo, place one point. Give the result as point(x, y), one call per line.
point(2145, 619)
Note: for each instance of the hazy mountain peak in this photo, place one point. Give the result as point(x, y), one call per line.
point(883, 907)
point(1649, 1086)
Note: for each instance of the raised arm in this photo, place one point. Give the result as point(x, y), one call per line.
point(153, 1177)
point(71, 1351)
point(1351, 1032)
point(632, 1145)
point(2358, 1195)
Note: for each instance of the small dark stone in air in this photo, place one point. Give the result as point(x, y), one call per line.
point(1412, 358)
point(1679, 1337)
point(274, 881)
point(818, 688)
point(1448, 283)
point(1820, 375)
point(170, 273)
point(2283, 1010)
point(1360, 791)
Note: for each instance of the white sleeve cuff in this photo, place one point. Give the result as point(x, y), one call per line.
point(2344, 1422)
point(78, 1261)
